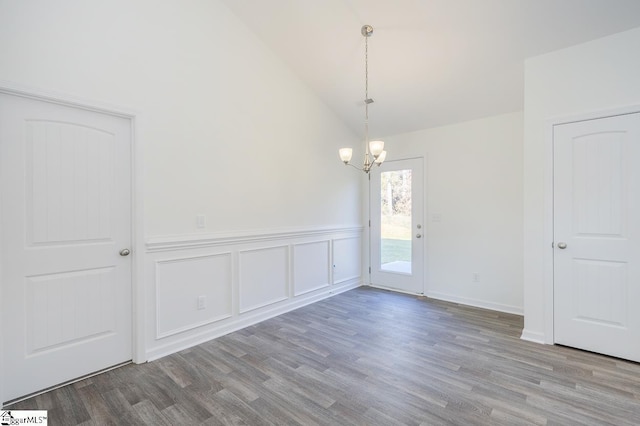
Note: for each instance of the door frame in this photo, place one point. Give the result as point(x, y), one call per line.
point(425, 228)
point(137, 228)
point(548, 252)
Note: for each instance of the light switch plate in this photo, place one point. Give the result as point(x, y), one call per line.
point(202, 302)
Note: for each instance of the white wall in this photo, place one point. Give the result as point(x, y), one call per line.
point(226, 130)
point(597, 76)
point(474, 184)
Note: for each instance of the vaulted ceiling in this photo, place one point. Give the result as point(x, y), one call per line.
point(431, 62)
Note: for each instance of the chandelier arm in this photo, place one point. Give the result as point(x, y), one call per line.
point(356, 167)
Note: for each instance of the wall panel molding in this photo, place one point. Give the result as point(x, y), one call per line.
point(311, 266)
point(263, 277)
point(347, 258)
point(181, 281)
point(244, 277)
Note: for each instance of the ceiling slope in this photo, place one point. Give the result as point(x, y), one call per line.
point(431, 62)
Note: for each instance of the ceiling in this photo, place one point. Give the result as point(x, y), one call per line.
point(431, 62)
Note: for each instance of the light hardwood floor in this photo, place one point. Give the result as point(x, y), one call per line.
point(363, 357)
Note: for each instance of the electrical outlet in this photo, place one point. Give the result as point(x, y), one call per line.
point(202, 302)
point(475, 277)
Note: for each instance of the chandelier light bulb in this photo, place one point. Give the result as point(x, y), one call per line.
point(376, 148)
point(346, 154)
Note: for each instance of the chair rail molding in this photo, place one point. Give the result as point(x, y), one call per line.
point(191, 241)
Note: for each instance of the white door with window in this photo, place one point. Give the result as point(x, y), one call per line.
point(65, 209)
point(397, 232)
point(597, 235)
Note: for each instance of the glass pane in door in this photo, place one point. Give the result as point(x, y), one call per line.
point(395, 217)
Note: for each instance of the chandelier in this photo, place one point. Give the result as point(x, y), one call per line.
point(374, 152)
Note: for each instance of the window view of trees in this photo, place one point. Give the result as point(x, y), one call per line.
point(395, 210)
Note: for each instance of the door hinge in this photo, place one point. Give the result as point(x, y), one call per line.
point(369, 223)
point(369, 269)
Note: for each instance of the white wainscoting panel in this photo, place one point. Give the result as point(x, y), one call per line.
point(246, 277)
point(182, 283)
point(311, 266)
point(264, 277)
point(347, 259)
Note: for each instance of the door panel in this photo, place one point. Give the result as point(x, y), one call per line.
point(66, 213)
point(69, 172)
point(597, 235)
point(70, 307)
point(397, 248)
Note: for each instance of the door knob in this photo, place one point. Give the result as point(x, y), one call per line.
point(562, 246)
point(418, 235)
point(125, 252)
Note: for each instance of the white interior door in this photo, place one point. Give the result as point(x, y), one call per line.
point(597, 235)
point(65, 182)
point(397, 233)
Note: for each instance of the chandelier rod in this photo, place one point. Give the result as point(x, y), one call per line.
point(374, 150)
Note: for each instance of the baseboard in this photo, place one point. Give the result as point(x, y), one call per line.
point(533, 336)
point(395, 290)
point(517, 310)
point(246, 320)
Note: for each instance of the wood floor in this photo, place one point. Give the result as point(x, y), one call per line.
point(363, 357)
